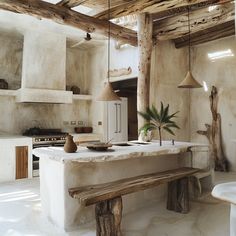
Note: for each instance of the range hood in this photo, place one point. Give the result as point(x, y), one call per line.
point(44, 69)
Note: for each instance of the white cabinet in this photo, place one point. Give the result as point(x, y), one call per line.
point(15, 154)
point(116, 120)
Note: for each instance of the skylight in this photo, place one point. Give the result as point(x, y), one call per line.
point(220, 54)
point(211, 8)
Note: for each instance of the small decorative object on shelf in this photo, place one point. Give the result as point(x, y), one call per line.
point(159, 120)
point(70, 145)
point(3, 84)
point(75, 89)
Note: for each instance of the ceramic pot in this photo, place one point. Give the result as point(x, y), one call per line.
point(70, 146)
point(145, 137)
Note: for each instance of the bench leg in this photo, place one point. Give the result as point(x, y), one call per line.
point(108, 217)
point(178, 195)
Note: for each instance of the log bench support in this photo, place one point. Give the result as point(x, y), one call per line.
point(108, 216)
point(107, 197)
point(178, 195)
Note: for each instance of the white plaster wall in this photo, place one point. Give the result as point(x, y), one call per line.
point(220, 73)
point(11, 59)
point(78, 69)
point(44, 61)
point(17, 117)
point(168, 69)
point(169, 66)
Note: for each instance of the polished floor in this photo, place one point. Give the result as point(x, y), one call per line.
point(20, 214)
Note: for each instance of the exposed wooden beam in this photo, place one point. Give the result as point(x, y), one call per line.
point(94, 4)
point(176, 27)
point(216, 32)
point(161, 7)
point(62, 15)
point(171, 12)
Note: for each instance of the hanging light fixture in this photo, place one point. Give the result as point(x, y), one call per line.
point(108, 93)
point(189, 81)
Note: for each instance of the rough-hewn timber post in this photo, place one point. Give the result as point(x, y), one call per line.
point(145, 28)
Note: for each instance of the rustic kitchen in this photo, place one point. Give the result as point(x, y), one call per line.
point(117, 117)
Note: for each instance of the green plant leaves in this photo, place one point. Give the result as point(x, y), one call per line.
point(159, 119)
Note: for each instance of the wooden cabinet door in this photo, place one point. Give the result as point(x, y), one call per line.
point(21, 162)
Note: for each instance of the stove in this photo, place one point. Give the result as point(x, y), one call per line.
point(44, 138)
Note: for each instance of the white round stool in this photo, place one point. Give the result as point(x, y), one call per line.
point(227, 192)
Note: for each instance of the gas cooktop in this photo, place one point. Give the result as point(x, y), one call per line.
point(35, 131)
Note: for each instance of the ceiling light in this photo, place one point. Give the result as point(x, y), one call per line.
point(189, 81)
point(108, 93)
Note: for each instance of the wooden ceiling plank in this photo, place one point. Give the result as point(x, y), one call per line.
point(176, 27)
point(216, 32)
point(65, 16)
point(161, 8)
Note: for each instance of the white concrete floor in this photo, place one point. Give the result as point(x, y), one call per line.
point(20, 214)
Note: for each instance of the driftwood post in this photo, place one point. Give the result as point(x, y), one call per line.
point(145, 26)
point(108, 217)
point(178, 195)
point(213, 134)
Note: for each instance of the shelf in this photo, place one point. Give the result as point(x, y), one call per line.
point(82, 97)
point(8, 92)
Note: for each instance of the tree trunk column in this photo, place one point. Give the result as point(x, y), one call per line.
point(145, 30)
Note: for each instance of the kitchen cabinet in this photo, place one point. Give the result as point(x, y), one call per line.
point(15, 154)
point(116, 117)
point(21, 162)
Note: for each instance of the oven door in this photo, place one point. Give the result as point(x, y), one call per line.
point(35, 161)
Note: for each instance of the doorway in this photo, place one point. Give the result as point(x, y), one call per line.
point(128, 88)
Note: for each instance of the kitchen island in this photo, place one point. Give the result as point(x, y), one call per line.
point(60, 171)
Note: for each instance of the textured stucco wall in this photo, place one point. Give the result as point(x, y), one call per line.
point(169, 66)
point(220, 73)
point(11, 59)
point(16, 117)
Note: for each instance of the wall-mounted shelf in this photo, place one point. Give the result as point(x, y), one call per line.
point(82, 97)
point(8, 92)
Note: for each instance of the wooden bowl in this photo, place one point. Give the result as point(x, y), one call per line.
point(79, 130)
point(87, 129)
point(99, 146)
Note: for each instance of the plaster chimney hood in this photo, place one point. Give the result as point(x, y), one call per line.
point(44, 69)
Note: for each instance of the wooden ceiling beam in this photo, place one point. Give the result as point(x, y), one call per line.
point(94, 4)
point(171, 12)
point(159, 8)
point(176, 27)
point(65, 16)
point(216, 32)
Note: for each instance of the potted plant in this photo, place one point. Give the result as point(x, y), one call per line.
point(159, 120)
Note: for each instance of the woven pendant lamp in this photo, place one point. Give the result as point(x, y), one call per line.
point(108, 93)
point(189, 81)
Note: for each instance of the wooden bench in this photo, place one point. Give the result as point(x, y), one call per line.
point(107, 196)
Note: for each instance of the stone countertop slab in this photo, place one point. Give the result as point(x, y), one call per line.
point(115, 153)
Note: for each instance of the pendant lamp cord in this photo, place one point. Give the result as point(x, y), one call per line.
point(109, 38)
point(189, 42)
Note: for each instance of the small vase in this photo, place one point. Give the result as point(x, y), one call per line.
point(70, 146)
point(145, 137)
